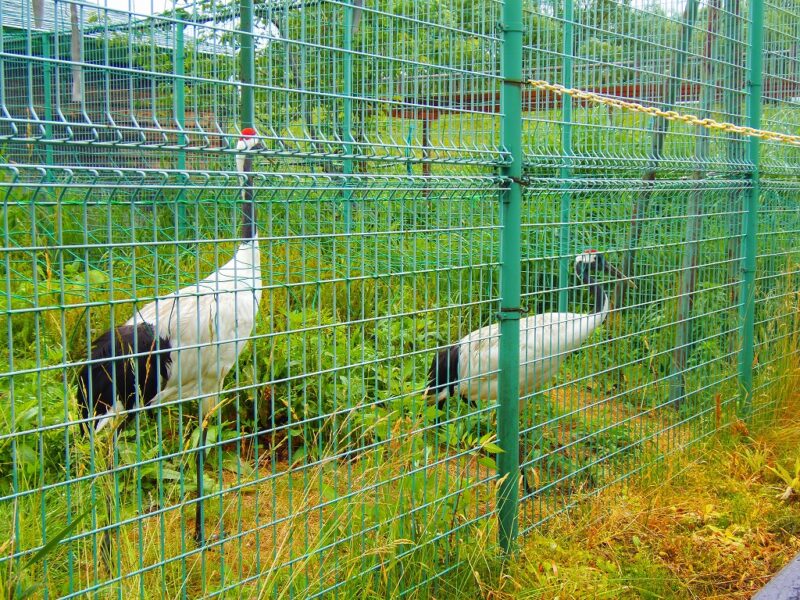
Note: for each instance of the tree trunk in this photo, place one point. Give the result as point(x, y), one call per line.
point(38, 13)
point(76, 45)
point(357, 4)
point(672, 85)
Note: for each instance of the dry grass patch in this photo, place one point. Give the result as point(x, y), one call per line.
point(715, 522)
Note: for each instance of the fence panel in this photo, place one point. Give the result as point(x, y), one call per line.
point(781, 85)
point(776, 310)
point(393, 170)
point(659, 372)
point(321, 448)
point(684, 56)
point(377, 215)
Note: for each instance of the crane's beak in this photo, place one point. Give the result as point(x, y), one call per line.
point(614, 272)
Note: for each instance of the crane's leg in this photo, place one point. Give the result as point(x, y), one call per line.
point(105, 543)
point(522, 458)
point(198, 509)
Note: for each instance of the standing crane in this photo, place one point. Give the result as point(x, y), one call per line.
point(181, 346)
point(469, 368)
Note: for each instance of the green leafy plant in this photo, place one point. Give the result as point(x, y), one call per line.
point(790, 476)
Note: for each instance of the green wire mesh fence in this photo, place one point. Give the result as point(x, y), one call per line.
point(404, 189)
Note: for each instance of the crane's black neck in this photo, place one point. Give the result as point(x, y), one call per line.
point(248, 229)
point(595, 289)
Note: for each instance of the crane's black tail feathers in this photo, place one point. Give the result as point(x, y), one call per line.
point(443, 373)
point(130, 355)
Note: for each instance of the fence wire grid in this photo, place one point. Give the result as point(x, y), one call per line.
point(276, 434)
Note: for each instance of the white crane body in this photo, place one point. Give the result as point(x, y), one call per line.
point(181, 346)
point(207, 324)
point(546, 340)
point(469, 368)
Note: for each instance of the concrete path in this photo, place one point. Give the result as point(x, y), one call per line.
point(785, 585)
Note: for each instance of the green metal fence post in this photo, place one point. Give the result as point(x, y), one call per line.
point(246, 79)
point(672, 86)
point(247, 63)
point(47, 84)
point(566, 149)
point(47, 91)
point(49, 226)
point(732, 107)
point(180, 116)
point(347, 118)
point(510, 277)
point(749, 243)
point(684, 334)
point(426, 145)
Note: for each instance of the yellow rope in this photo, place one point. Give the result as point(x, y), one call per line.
point(670, 115)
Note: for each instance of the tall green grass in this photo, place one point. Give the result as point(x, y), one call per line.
point(328, 471)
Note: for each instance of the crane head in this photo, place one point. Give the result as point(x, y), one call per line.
point(589, 261)
point(248, 141)
point(592, 261)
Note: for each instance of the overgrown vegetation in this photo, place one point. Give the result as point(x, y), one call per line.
point(327, 465)
point(328, 472)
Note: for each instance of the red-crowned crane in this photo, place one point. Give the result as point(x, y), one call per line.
point(469, 368)
point(181, 346)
